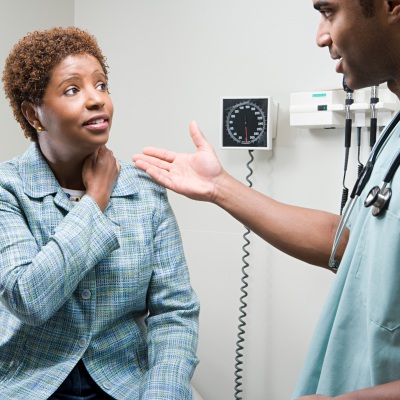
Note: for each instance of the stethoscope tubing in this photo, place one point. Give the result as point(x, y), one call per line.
point(334, 264)
point(392, 169)
point(362, 182)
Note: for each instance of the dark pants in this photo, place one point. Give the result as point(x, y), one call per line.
point(79, 385)
point(72, 397)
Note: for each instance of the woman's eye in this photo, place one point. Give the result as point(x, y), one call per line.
point(71, 91)
point(102, 86)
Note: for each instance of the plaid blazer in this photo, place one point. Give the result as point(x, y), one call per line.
point(111, 288)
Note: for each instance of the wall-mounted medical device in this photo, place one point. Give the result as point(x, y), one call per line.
point(248, 122)
point(327, 109)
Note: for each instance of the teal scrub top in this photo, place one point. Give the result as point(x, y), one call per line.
point(357, 339)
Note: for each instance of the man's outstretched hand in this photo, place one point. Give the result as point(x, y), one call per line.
point(193, 175)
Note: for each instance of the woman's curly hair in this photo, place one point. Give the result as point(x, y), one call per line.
point(29, 66)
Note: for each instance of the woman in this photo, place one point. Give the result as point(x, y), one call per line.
point(96, 301)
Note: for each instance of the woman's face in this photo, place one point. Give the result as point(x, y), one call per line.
point(77, 111)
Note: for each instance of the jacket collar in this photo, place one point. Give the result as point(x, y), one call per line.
point(39, 180)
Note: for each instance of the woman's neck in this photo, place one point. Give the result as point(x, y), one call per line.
point(67, 170)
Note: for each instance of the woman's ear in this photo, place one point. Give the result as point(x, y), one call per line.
point(29, 111)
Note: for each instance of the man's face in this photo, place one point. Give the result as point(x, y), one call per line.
point(360, 44)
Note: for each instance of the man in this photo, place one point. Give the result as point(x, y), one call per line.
point(355, 352)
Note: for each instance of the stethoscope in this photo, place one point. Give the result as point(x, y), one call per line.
point(378, 197)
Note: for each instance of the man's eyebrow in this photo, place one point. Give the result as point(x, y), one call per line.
point(319, 4)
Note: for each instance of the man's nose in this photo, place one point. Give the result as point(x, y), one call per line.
point(323, 35)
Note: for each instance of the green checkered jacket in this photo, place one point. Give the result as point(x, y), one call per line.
point(111, 288)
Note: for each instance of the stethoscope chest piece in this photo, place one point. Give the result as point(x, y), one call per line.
point(378, 198)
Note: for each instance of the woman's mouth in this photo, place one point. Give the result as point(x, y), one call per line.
point(97, 124)
point(95, 121)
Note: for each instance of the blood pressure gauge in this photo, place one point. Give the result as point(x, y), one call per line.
point(246, 123)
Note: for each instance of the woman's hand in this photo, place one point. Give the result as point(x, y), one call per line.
point(99, 174)
point(193, 175)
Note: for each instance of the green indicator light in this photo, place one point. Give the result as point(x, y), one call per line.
point(319, 95)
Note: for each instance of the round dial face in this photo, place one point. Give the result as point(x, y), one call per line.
point(245, 123)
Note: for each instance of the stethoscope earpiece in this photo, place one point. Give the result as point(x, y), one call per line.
point(379, 198)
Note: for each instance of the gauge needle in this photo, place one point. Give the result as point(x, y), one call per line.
point(245, 127)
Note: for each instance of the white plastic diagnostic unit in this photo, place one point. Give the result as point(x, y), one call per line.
point(326, 109)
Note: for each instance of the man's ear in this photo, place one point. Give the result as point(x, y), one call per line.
point(394, 10)
point(29, 111)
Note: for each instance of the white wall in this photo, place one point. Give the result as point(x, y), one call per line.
point(170, 62)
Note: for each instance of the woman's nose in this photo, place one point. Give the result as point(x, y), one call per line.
point(95, 99)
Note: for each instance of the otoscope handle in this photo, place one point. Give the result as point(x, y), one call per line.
point(348, 103)
point(347, 136)
point(372, 133)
